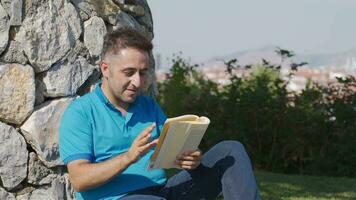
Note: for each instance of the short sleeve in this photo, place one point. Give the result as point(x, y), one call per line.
point(75, 135)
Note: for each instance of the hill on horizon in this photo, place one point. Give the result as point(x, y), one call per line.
point(254, 56)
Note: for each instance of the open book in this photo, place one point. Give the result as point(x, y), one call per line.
point(178, 135)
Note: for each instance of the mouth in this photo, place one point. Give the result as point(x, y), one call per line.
point(131, 91)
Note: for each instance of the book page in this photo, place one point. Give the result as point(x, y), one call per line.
point(196, 133)
point(183, 118)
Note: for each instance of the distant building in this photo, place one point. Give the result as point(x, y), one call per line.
point(216, 71)
point(158, 60)
point(351, 63)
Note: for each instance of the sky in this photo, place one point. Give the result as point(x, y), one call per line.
point(202, 29)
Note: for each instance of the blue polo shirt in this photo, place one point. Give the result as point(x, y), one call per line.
point(93, 129)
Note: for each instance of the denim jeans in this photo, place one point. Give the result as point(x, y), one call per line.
point(225, 168)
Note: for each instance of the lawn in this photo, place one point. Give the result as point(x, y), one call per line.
point(275, 186)
point(293, 187)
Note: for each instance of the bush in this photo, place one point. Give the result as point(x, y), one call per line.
point(312, 132)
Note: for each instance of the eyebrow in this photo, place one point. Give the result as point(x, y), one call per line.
point(132, 68)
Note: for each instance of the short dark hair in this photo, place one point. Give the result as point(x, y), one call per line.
point(123, 38)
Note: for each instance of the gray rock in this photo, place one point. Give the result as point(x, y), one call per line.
point(83, 16)
point(145, 20)
point(79, 50)
point(136, 10)
point(65, 79)
point(38, 173)
point(90, 84)
point(13, 157)
point(6, 4)
point(31, 6)
point(13, 9)
point(85, 9)
point(41, 130)
point(40, 89)
point(14, 54)
point(94, 32)
point(119, 2)
point(15, 12)
point(60, 189)
point(126, 20)
point(104, 9)
point(4, 29)
point(17, 92)
point(131, 7)
point(49, 32)
point(5, 195)
point(39, 194)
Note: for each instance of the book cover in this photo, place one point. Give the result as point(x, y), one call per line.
point(178, 135)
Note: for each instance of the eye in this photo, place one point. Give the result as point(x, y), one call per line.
point(143, 73)
point(129, 73)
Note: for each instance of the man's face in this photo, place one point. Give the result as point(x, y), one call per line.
point(126, 74)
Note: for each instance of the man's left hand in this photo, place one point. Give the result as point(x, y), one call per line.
point(189, 160)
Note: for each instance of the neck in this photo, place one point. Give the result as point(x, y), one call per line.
point(120, 105)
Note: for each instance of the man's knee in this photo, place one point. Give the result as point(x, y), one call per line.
point(232, 146)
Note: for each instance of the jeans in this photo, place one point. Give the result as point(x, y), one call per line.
point(225, 168)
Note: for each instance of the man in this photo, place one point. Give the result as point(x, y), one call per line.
point(108, 136)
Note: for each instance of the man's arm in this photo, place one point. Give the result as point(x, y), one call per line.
point(85, 175)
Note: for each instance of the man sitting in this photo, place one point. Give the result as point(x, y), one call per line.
point(108, 136)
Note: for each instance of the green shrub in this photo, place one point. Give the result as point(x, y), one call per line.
point(312, 132)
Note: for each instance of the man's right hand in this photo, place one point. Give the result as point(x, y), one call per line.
point(141, 144)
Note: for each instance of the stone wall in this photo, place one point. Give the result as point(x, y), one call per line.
point(49, 55)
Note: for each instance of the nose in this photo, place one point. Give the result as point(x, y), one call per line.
point(136, 80)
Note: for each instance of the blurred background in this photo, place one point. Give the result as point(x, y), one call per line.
point(278, 76)
point(205, 30)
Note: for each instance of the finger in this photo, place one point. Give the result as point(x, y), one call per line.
point(188, 167)
point(192, 153)
point(188, 158)
point(196, 153)
point(151, 144)
point(143, 141)
point(188, 152)
point(144, 150)
point(147, 131)
point(141, 136)
point(154, 142)
point(148, 146)
point(185, 162)
point(150, 128)
point(182, 155)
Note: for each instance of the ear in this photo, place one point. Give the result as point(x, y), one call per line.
point(104, 67)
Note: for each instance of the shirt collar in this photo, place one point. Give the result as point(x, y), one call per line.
point(100, 93)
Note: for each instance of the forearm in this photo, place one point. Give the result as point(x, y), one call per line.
point(88, 175)
point(85, 175)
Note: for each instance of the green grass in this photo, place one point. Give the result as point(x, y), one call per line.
point(293, 187)
point(275, 186)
